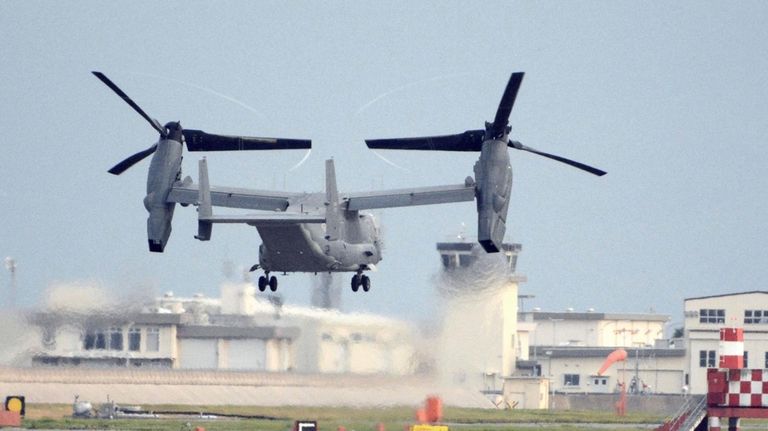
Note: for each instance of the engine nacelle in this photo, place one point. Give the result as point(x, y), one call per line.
point(164, 170)
point(493, 175)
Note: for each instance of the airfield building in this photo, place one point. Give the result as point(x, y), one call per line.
point(569, 348)
point(235, 332)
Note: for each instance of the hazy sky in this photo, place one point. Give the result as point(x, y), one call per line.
point(669, 97)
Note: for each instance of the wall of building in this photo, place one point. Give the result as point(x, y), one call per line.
point(595, 329)
point(361, 349)
point(107, 344)
point(526, 393)
point(655, 374)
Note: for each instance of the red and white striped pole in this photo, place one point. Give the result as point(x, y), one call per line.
point(731, 348)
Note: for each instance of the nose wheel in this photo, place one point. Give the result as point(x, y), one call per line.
point(361, 280)
point(267, 281)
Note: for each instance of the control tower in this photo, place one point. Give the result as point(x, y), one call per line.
point(479, 340)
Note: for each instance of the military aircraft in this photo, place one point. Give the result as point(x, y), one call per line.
point(321, 232)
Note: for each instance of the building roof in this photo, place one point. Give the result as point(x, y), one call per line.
point(601, 352)
point(259, 332)
point(107, 318)
point(569, 315)
point(728, 294)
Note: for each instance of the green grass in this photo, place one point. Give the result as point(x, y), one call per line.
point(46, 416)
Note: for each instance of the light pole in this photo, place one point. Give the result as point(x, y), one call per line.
point(551, 380)
point(10, 265)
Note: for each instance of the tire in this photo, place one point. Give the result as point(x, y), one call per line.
point(262, 283)
point(273, 283)
point(366, 282)
point(355, 282)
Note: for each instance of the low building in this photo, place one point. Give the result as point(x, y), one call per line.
point(238, 331)
point(645, 371)
point(570, 347)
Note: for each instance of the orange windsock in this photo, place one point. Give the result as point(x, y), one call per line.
point(617, 355)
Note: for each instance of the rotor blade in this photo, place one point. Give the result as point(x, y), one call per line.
point(154, 123)
point(130, 161)
point(575, 164)
point(471, 140)
point(507, 102)
point(197, 140)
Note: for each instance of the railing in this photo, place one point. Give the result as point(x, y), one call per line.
point(690, 413)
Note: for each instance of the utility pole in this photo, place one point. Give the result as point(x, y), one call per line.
point(10, 265)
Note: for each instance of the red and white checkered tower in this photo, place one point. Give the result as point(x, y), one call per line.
point(735, 392)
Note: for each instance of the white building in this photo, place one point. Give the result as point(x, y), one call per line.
point(704, 316)
point(570, 347)
point(236, 332)
point(646, 370)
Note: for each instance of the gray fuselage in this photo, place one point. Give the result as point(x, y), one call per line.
point(308, 247)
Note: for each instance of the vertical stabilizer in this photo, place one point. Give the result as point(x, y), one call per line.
point(333, 217)
point(204, 209)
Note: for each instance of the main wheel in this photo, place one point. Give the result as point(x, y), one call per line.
point(366, 282)
point(262, 283)
point(273, 283)
point(355, 282)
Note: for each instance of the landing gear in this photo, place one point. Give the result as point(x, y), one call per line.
point(359, 280)
point(262, 283)
point(265, 280)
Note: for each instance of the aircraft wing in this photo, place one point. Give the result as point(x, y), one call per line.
point(411, 197)
point(187, 193)
point(276, 219)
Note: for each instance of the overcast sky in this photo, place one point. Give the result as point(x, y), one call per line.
point(669, 97)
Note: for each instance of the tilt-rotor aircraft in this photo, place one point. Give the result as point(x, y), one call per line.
point(327, 231)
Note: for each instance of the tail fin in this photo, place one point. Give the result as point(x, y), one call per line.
point(333, 217)
point(204, 210)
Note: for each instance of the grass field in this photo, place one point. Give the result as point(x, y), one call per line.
point(48, 416)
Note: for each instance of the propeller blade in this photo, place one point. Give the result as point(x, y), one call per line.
point(154, 123)
point(197, 140)
point(505, 105)
point(471, 140)
point(518, 146)
point(130, 161)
